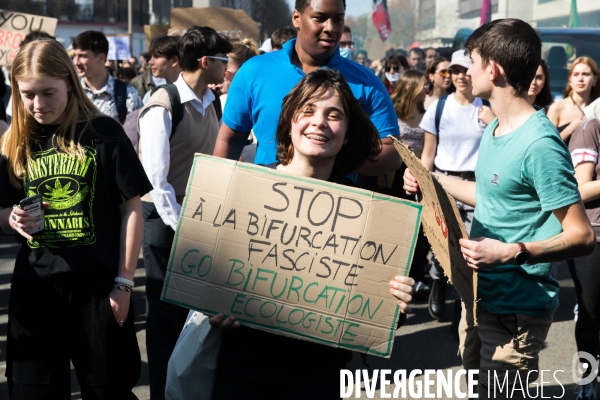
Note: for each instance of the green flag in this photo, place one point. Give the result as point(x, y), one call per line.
point(573, 16)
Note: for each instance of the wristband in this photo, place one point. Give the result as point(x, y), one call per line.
point(122, 287)
point(124, 281)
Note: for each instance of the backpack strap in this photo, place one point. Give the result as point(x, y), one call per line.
point(438, 113)
point(121, 99)
point(217, 104)
point(176, 106)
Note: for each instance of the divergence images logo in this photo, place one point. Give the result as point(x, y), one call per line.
point(579, 367)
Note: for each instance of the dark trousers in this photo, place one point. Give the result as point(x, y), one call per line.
point(586, 277)
point(419, 261)
point(50, 324)
point(164, 321)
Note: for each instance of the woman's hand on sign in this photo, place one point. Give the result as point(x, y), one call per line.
point(219, 321)
point(410, 183)
point(402, 287)
point(484, 252)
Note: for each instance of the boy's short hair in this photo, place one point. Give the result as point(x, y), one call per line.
point(36, 34)
point(165, 46)
point(95, 41)
point(417, 50)
point(200, 41)
point(301, 5)
point(280, 36)
point(513, 44)
point(126, 73)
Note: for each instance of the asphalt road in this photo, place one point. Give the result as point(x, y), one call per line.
point(420, 344)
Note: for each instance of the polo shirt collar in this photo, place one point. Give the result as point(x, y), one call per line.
point(332, 63)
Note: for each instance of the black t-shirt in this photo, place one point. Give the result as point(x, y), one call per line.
point(81, 236)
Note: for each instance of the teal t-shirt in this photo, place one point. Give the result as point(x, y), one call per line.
point(521, 177)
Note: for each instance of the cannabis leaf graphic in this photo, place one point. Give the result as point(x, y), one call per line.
point(58, 191)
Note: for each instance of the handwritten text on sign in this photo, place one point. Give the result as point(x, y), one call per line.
point(291, 255)
point(14, 26)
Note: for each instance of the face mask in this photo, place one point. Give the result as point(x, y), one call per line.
point(346, 53)
point(392, 77)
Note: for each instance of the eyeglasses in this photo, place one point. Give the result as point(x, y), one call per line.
point(443, 72)
point(346, 44)
point(224, 59)
point(394, 67)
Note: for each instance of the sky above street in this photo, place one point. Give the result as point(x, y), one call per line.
point(354, 8)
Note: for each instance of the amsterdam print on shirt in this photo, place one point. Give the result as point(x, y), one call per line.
point(68, 185)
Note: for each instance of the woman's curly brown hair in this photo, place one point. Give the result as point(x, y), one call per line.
point(362, 138)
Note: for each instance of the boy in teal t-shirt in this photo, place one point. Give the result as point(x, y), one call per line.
point(528, 213)
point(522, 177)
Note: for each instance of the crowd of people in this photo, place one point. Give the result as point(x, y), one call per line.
point(522, 168)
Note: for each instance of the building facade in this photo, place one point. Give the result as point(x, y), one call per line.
point(111, 16)
point(439, 20)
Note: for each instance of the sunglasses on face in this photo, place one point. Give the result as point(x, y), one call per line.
point(346, 44)
point(225, 60)
point(443, 72)
point(391, 68)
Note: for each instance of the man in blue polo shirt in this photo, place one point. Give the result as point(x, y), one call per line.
point(258, 89)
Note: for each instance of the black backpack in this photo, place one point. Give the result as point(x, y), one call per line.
point(440, 109)
point(130, 125)
point(121, 99)
point(177, 107)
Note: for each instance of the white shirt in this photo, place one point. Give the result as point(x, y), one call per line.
point(155, 128)
point(459, 136)
point(593, 109)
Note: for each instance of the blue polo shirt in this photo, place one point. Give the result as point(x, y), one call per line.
point(256, 95)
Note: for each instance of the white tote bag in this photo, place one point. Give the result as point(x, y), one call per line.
point(193, 365)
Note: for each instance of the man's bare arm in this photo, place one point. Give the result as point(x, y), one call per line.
point(230, 143)
point(577, 239)
point(463, 191)
point(389, 160)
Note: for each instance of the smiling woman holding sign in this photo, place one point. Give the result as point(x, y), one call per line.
point(323, 133)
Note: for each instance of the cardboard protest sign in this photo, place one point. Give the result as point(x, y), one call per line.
point(234, 24)
point(14, 26)
point(119, 46)
point(291, 255)
point(152, 31)
point(443, 226)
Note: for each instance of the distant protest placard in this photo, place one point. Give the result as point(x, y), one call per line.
point(234, 24)
point(14, 26)
point(119, 46)
point(443, 226)
point(291, 255)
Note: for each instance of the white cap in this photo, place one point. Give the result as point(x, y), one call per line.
point(459, 58)
point(266, 46)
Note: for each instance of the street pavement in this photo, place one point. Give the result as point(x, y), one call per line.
point(421, 343)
